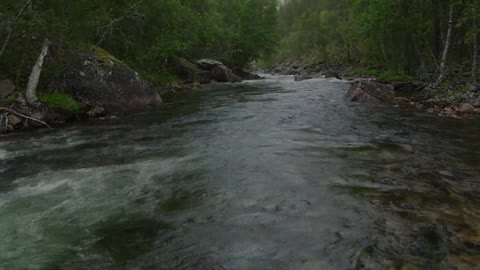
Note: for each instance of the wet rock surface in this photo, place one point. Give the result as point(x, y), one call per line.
point(370, 92)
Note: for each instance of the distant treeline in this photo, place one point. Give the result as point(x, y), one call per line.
point(400, 35)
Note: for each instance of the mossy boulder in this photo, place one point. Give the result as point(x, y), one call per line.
point(97, 78)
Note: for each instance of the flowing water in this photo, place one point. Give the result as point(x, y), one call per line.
point(272, 174)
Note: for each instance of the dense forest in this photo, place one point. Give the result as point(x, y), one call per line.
point(146, 34)
point(406, 37)
point(435, 42)
point(420, 37)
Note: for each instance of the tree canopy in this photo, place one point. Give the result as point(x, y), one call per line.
point(146, 34)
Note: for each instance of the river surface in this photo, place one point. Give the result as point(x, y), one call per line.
point(265, 175)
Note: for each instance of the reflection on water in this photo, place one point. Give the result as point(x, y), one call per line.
point(274, 174)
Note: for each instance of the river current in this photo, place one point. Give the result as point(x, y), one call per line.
point(270, 174)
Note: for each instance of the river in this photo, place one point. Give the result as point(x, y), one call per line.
point(271, 174)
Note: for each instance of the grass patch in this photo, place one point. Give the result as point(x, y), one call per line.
point(59, 101)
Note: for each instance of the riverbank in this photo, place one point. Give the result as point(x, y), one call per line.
point(95, 84)
point(458, 96)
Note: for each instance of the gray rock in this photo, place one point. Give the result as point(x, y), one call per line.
point(370, 92)
point(218, 71)
point(6, 88)
point(108, 83)
point(299, 78)
point(332, 74)
point(245, 75)
point(208, 64)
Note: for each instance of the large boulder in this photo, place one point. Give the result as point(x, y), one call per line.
point(370, 92)
point(98, 79)
point(218, 71)
point(6, 88)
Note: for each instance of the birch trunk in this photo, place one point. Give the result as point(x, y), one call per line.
point(448, 40)
point(31, 94)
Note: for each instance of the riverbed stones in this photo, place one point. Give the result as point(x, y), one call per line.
point(99, 79)
point(6, 88)
point(370, 92)
point(466, 108)
point(13, 120)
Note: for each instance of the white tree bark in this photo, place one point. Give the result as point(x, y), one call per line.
point(448, 41)
point(31, 94)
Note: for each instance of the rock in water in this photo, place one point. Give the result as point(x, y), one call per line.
point(218, 71)
point(6, 88)
point(99, 79)
point(245, 75)
point(332, 74)
point(299, 78)
point(370, 92)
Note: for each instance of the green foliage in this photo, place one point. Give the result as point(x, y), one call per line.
point(59, 101)
point(147, 34)
point(395, 35)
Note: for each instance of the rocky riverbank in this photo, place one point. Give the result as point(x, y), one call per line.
point(458, 96)
point(97, 85)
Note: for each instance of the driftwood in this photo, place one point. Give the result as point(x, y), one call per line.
point(25, 116)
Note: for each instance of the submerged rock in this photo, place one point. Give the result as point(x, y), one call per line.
point(99, 79)
point(370, 92)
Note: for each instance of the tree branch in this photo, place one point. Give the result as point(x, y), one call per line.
point(109, 26)
point(25, 116)
point(12, 26)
